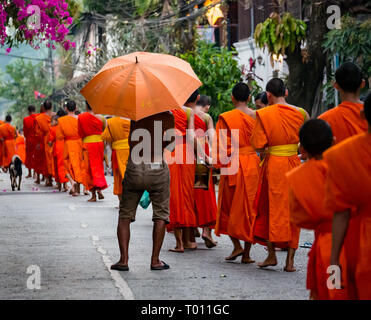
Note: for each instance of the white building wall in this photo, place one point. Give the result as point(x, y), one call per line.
point(247, 49)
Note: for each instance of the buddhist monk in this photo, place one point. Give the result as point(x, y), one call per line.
point(345, 119)
point(204, 103)
point(237, 188)
point(205, 200)
point(276, 133)
point(20, 147)
point(116, 133)
point(261, 100)
point(8, 134)
point(91, 127)
point(182, 176)
point(307, 206)
point(39, 153)
point(42, 130)
point(58, 155)
point(29, 131)
point(348, 197)
point(67, 131)
point(1, 148)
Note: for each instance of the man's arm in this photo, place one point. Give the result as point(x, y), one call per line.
point(340, 223)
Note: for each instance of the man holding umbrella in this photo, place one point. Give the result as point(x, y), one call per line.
point(143, 87)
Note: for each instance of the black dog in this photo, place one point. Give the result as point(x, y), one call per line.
point(15, 170)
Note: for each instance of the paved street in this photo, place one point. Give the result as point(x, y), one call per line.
point(74, 242)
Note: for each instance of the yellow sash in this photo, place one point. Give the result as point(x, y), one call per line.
point(120, 144)
point(285, 150)
point(92, 138)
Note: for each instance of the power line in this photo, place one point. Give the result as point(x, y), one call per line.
point(22, 57)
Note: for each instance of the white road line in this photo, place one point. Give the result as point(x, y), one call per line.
point(120, 283)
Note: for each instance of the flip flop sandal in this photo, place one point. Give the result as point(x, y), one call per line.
point(119, 267)
point(165, 266)
point(307, 245)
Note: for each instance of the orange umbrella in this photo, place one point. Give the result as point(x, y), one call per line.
point(141, 84)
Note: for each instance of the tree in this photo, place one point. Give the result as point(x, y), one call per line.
point(19, 84)
point(35, 21)
point(350, 43)
point(308, 64)
point(218, 71)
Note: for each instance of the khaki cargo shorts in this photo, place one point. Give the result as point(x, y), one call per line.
point(154, 178)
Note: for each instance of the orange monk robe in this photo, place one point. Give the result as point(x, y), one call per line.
point(182, 176)
point(237, 190)
point(67, 131)
point(276, 125)
point(42, 132)
point(90, 126)
point(8, 133)
point(1, 148)
point(345, 120)
point(307, 210)
point(29, 131)
point(205, 200)
point(116, 133)
point(348, 187)
point(20, 147)
point(58, 159)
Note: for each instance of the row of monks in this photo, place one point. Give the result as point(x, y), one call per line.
point(277, 190)
point(69, 147)
point(270, 197)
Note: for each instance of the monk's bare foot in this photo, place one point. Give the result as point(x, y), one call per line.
point(29, 176)
point(177, 250)
point(209, 242)
point(246, 259)
point(235, 254)
point(269, 262)
point(289, 269)
point(37, 181)
point(190, 246)
point(100, 195)
point(92, 199)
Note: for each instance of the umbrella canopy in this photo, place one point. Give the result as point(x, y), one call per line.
point(141, 84)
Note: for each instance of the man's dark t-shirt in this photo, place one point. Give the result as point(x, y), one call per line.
point(163, 122)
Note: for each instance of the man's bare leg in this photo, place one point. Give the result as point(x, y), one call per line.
point(65, 188)
point(207, 237)
point(123, 237)
point(179, 242)
point(290, 260)
point(158, 238)
point(37, 179)
point(271, 260)
point(59, 186)
point(93, 195)
point(29, 174)
point(246, 254)
point(189, 238)
point(237, 250)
